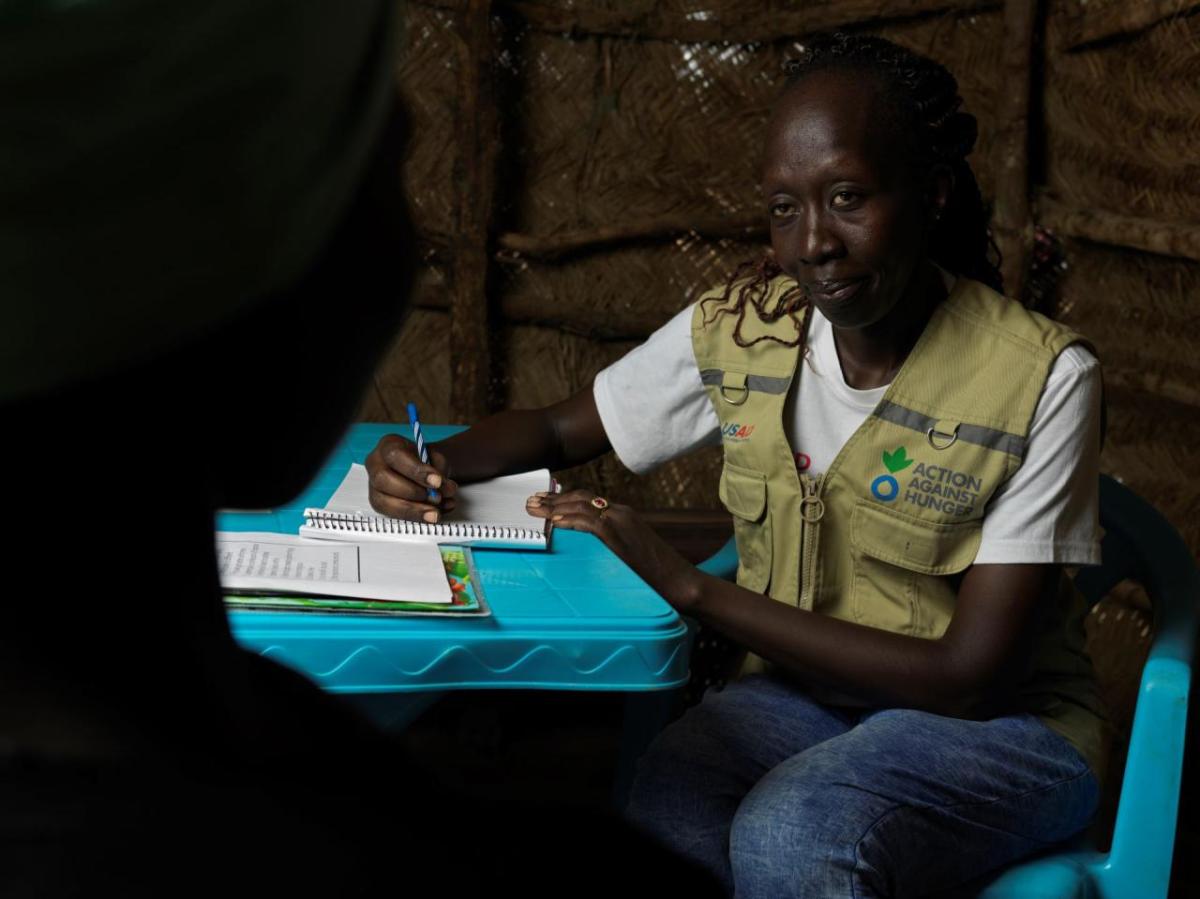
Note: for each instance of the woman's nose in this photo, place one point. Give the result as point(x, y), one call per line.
point(818, 242)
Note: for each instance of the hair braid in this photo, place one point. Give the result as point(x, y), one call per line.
point(752, 281)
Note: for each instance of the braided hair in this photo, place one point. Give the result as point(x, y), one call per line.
point(925, 108)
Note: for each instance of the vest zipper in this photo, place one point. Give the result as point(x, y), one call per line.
point(812, 510)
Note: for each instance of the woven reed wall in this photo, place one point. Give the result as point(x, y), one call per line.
point(1122, 121)
point(614, 120)
point(1120, 176)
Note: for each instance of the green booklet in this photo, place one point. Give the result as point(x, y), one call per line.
point(460, 572)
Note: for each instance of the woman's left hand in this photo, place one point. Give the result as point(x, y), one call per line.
point(626, 534)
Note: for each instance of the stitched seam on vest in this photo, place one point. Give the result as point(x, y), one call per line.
point(990, 438)
point(997, 330)
point(714, 377)
point(963, 310)
point(1060, 336)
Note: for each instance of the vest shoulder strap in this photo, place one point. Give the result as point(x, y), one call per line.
point(982, 359)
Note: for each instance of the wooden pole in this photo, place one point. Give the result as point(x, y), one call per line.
point(1181, 239)
point(1112, 20)
point(658, 228)
point(470, 351)
point(585, 321)
point(1012, 222)
point(748, 26)
point(437, 247)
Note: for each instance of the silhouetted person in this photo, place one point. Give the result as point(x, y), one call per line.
point(203, 255)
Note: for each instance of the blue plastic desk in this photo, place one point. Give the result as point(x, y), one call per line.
point(572, 618)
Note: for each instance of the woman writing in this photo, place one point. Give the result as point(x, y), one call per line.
point(910, 458)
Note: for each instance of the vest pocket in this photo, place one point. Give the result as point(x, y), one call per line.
point(899, 568)
point(743, 492)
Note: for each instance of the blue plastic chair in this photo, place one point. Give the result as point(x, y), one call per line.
point(1141, 545)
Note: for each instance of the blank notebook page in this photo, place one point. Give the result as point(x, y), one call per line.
point(498, 501)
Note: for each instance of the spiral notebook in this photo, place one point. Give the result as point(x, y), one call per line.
point(489, 514)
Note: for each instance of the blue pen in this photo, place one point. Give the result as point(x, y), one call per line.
point(421, 450)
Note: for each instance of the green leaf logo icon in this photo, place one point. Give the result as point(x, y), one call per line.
point(896, 460)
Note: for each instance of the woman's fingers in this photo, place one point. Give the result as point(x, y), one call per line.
point(449, 485)
point(399, 482)
point(624, 532)
point(576, 507)
point(541, 504)
point(576, 511)
point(537, 508)
point(406, 509)
point(569, 496)
point(579, 521)
point(401, 457)
point(392, 485)
point(546, 504)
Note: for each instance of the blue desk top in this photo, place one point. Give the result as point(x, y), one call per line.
point(574, 617)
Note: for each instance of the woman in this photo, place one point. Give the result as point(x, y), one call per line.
point(909, 459)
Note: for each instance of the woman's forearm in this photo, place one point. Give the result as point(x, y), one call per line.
point(560, 436)
point(509, 441)
point(874, 665)
point(977, 662)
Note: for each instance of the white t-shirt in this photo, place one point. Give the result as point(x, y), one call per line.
point(654, 408)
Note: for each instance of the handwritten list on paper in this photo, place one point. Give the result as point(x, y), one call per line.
point(265, 562)
point(238, 559)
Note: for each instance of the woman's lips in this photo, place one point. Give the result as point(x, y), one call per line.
point(835, 291)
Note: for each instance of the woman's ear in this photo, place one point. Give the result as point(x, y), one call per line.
point(938, 191)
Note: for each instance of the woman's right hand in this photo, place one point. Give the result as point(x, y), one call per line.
point(400, 482)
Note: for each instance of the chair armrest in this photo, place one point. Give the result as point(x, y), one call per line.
point(1144, 833)
point(1059, 876)
point(1176, 593)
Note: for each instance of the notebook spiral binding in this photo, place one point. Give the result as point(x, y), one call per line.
point(353, 524)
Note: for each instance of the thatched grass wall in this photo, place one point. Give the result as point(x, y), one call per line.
point(1122, 124)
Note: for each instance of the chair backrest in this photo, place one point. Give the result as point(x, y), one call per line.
point(1141, 545)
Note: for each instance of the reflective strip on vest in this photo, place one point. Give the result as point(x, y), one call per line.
point(1001, 441)
point(715, 377)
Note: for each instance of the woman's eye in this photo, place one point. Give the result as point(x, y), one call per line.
point(782, 210)
point(844, 198)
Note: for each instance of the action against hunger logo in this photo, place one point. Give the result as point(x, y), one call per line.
point(885, 487)
point(929, 486)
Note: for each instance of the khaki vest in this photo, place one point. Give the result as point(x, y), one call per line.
point(881, 534)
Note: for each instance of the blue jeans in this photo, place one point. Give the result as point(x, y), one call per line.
point(780, 796)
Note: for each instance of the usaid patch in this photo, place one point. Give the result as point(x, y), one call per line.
point(736, 432)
